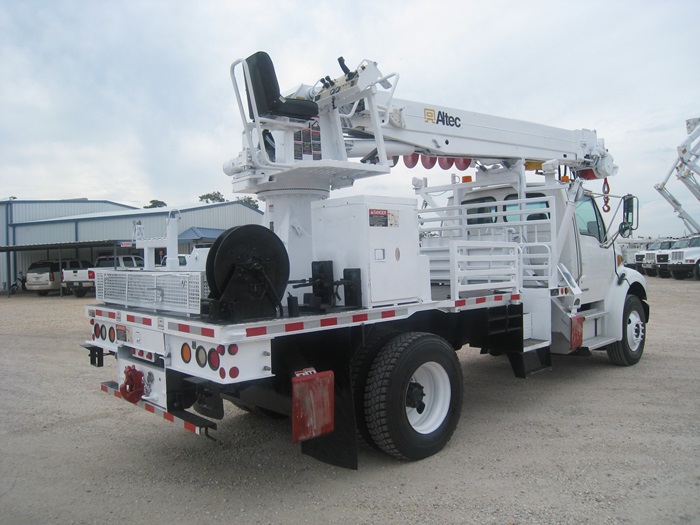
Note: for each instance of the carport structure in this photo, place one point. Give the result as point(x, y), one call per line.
point(10, 251)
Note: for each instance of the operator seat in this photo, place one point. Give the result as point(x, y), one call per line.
point(268, 100)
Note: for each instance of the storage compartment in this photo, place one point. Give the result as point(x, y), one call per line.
point(378, 235)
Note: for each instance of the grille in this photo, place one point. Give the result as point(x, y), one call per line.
point(662, 258)
point(677, 256)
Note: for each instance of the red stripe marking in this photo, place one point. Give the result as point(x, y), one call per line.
point(390, 313)
point(359, 318)
point(329, 322)
point(461, 302)
point(189, 426)
point(208, 332)
point(480, 300)
point(183, 328)
point(498, 298)
point(118, 394)
point(293, 327)
point(104, 388)
point(130, 318)
point(98, 313)
point(150, 408)
point(258, 330)
point(112, 315)
point(168, 416)
point(515, 297)
point(146, 321)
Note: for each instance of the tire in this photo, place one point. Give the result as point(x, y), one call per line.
point(650, 272)
point(678, 276)
point(79, 292)
point(696, 272)
point(43, 293)
point(413, 396)
point(359, 369)
point(665, 274)
point(628, 351)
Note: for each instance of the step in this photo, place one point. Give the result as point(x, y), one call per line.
point(593, 343)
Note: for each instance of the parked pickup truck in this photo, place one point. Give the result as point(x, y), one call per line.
point(82, 281)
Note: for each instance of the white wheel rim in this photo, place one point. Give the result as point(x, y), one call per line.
point(635, 331)
point(436, 387)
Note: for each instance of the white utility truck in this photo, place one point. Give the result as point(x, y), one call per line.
point(345, 314)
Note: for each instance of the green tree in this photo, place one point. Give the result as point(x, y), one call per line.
point(214, 196)
point(250, 201)
point(155, 203)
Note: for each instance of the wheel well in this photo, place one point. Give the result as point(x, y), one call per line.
point(638, 290)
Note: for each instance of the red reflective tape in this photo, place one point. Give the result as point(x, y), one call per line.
point(359, 318)
point(112, 315)
point(208, 332)
point(390, 313)
point(480, 300)
point(168, 416)
point(147, 322)
point(130, 318)
point(118, 394)
point(183, 328)
point(498, 298)
point(461, 302)
point(293, 327)
point(329, 322)
point(515, 297)
point(257, 330)
point(149, 408)
point(98, 313)
point(104, 388)
point(189, 426)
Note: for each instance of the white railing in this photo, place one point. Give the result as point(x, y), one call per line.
point(164, 291)
point(528, 224)
point(477, 266)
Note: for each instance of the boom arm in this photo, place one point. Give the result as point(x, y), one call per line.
point(359, 117)
point(685, 167)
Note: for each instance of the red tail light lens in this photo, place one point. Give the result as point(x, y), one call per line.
point(51, 276)
point(91, 274)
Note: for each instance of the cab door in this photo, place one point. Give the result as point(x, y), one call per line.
point(597, 262)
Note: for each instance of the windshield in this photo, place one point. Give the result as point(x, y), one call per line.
point(683, 243)
point(694, 243)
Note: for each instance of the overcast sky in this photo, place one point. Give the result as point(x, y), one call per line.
point(131, 100)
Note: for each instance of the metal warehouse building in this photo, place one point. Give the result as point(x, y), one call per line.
point(32, 230)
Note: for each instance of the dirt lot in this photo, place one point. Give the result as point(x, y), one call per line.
point(586, 442)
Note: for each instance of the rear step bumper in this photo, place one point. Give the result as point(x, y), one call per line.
point(190, 422)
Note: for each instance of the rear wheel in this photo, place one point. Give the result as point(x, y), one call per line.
point(696, 272)
point(629, 350)
point(42, 293)
point(413, 396)
point(79, 292)
point(360, 367)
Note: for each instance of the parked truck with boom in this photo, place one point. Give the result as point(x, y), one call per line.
point(345, 313)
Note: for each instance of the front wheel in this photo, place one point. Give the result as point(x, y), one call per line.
point(413, 395)
point(629, 350)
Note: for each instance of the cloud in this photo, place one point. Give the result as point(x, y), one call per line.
point(139, 91)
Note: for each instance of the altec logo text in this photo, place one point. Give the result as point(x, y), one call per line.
point(440, 117)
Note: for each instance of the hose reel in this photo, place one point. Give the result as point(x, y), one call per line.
point(247, 272)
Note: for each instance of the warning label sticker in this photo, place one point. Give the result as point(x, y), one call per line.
point(383, 218)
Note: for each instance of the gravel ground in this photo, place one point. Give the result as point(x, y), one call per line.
point(586, 442)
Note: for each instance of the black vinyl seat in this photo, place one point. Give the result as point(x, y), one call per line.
point(268, 100)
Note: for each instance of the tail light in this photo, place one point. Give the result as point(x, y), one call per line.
point(91, 274)
point(51, 278)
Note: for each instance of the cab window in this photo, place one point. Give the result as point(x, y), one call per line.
point(588, 219)
point(481, 209)
point(534, 206)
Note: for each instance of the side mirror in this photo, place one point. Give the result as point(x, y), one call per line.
point(630, 215)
